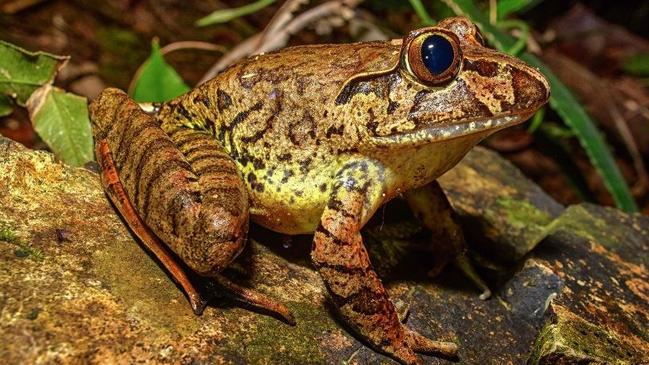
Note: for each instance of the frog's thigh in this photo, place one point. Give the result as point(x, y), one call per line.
point(431, 206)
point(182, 185)
point(115, 191)
point(342, 260)
point(220, 224)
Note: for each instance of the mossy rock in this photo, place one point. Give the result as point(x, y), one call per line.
point(505, 215)
point(76, 287)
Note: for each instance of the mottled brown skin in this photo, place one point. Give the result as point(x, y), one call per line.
point(315, 139)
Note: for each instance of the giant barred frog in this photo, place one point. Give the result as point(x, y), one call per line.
point(313, 139)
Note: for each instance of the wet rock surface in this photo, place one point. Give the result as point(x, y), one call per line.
point(571, 285)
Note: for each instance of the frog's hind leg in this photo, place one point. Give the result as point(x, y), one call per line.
point(431, 207)
point(343, 263)
point(186, 190)
point(222, 188)
point(116, 193)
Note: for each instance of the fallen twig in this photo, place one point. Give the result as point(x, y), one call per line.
point(279, 37)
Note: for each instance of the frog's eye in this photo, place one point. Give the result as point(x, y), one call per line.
point(433, 57)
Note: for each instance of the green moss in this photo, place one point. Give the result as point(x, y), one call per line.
point(7, 234)
point(571, 338)
point(147, 291)
point(22, 250)
point(525, 222)
point(522, 213)
point(578, 220)
point(27, 251)
point(274, 342)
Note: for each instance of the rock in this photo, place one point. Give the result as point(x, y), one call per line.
point(75, 286)
point(569, 339)
point(505, 215)
point(602, 312)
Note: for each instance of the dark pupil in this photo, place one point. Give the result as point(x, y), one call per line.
point(437, 54)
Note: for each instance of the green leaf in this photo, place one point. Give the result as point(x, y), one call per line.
point(565, 104)
point(6, 105)
point(506, 7)
point(225, 15)
point(22, 72)
point(637, 65)
point(421, 12)
point(157, 81)
point(61, 120)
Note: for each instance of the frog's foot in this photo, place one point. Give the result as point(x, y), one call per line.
point(255, 299)
point(463, 263)
point(424, 345)
point(432, 208)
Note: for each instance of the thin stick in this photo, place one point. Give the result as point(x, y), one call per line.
point(281, 18)
point(279, 38)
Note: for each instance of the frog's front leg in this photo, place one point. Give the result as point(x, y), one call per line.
point(342, 261)
point(431, 206)
point(182, 188)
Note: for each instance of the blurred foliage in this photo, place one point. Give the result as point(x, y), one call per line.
point(225, 15)
point(388, 5)
point(637, 65)
point(113, 60)
point(156, 80)
point(421, 12)
point(507, 7)
point(6, 105)
point(22, 72)
point(61, 120)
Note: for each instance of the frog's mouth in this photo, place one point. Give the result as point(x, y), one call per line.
point(447, 131)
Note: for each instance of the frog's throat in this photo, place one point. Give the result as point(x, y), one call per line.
point(448, 131)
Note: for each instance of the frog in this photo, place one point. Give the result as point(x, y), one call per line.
point(313, 139)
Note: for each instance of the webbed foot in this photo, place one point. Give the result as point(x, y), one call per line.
point(430, 205)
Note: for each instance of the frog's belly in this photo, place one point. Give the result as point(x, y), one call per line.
point(294, 209)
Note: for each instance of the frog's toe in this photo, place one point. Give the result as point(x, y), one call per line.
point(402, 308)
point(424, 345)
point(463, 263)
point(404, 355)
point(486, 294)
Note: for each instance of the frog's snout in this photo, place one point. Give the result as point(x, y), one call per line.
point(532, 89)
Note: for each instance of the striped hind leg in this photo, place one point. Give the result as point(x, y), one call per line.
point(115, 191)
point(183, 187)
point(344, 265)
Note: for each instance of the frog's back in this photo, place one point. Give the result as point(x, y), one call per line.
point(285, 99)
point(274, 116)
